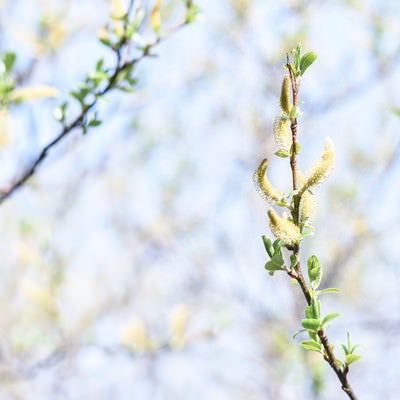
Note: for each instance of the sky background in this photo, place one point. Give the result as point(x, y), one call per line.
point(150, 224)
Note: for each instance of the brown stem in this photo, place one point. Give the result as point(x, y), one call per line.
point(331, 359)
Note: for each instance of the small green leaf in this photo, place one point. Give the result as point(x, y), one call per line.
point(315, 308)
point(329, 318)
point(313, 336)
point(94, 122)
point(277, 245)
point(282, 153)
point(60, 112)
point(99, 64)
point(328, 290)
point(307, 233)
point(309, 312)
point(300, 331)
point(351, 358)
point(298, 148)
point(311, 345)
point(314, 271)
point(78, 95)
point(268, 246)
point(9, 60)
point(306, 61)
point(191, 13)
point(283, 203)
point(272, 267)
point(294, 260)
point(311, 323)
point(277, 258)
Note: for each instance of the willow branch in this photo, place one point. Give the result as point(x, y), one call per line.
point(296, 273)
point(78, 122)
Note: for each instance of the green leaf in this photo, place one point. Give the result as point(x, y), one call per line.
point(282, 153)
point(298, 148)
point(94, 122)
point(191, 13)
point(307, 233)
point(126, 89)
point(329, 318)
point(60, 112)
point(311, 345)
point(97, 76)
point(100, 64)
point(314, 271)
point(283, 203)
point(311, 323)
point(328, 290)
point(277, 245)
point(9, 60)
point(79, 95)
point(315, 308)
point(306, 61)
point(351, 358)
point(271, 266)
point(268, 246)
point(294, 260)
point(309, 312)
point(300, 331)
point(296, 59)
point(313, 336)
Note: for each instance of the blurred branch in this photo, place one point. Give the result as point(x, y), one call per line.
point(120, 67)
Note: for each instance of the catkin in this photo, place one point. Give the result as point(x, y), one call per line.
point(282, 133)
point(321, 169)
point(285, 95)
point(284, 229)
point(264, 186)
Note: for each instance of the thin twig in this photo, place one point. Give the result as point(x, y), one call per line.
point(78, 122)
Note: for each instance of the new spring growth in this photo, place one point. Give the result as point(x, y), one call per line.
point(282, 133)
point(263, 184)
point(321, 169)
point(308, 202)
point(285, 95)
point(284, 229)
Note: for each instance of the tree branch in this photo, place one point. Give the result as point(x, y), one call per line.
point(329, 356)
point(78, 122)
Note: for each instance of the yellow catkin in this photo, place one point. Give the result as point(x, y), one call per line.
point(178, 322)
point(282, 133)
point(134, 335)
point(308, 202)
point(285, 95)
point(264, 186)
point(321, 169)
point(284, 229)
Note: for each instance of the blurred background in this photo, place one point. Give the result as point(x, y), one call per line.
point(132, 265)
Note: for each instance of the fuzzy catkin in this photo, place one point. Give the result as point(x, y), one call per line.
point(285, 95)
point(308, 203)
point(321, 169)
point(282, 133)
point(264, 186)
point(284, 229)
